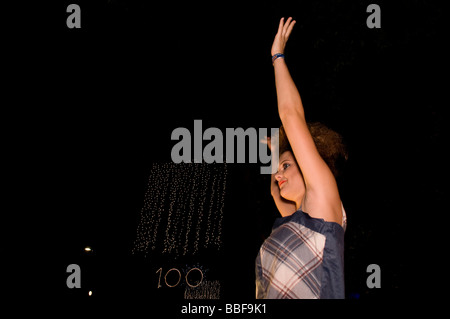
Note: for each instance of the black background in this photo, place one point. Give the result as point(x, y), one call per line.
point(92, 108)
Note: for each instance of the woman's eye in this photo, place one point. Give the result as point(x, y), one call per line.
point(286, 165)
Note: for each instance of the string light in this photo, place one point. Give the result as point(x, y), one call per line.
point(183, 207)
point(207, 290)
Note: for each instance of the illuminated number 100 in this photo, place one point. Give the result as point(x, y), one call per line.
point(179, 277)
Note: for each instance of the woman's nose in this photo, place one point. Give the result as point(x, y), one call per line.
point(278, 176)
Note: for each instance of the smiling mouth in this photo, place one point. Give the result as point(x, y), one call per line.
point(281, 183)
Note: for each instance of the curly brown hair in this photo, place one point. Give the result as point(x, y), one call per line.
point(328, 142)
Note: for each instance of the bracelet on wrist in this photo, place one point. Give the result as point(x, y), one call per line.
point(276, 56)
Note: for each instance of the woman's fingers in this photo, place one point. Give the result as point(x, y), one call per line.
point(266, 140)
point(285, 29)
point(280, 27)
point(289, 29)
point(269, 142)
point(286, 25)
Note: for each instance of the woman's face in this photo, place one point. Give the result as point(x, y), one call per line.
point(290, 179)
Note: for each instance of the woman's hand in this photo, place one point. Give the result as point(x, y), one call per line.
point(284, 30)
point(267, 140)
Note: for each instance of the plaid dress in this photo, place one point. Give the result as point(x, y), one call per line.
point(303, 258)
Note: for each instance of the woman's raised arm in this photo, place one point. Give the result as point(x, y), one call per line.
point(322, 197)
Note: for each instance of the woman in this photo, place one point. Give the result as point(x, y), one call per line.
point(304, 255)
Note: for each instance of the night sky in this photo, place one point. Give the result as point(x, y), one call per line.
point(98, 105)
